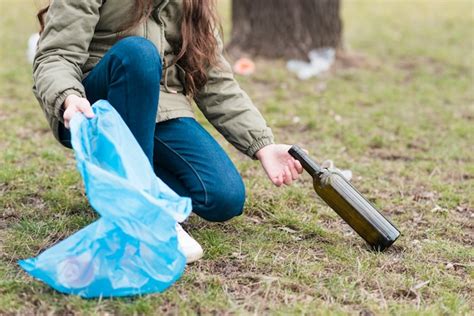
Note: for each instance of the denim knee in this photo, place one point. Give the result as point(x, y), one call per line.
point(223, 203)
point(139, 57)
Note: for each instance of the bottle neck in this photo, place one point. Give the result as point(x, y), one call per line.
point(308, 164)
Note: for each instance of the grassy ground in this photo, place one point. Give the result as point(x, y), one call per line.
point(404, 123)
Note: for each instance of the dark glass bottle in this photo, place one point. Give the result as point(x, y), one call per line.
point(349, 203)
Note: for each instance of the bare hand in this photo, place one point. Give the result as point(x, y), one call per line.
point(74, 104)
point(279, 165)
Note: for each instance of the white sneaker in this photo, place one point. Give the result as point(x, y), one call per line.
point(188, 245)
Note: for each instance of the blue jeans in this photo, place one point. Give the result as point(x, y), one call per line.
point(184, 155)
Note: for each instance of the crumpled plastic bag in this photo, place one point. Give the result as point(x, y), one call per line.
point(132, 249)
point(321, 60)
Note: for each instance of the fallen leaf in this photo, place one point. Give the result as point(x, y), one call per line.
point(287, 229)
point(438, 209)
point(425, 195)
point(420, 285)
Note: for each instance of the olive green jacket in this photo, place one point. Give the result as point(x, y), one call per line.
point(77, 34)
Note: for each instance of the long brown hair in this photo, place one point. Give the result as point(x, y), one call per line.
point(198, 47)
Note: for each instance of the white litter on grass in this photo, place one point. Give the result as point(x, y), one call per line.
point(321, 60)
point(329, 164)
point(32, 43)
point(296, 119)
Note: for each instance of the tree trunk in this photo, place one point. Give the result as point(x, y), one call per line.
point(284, 28)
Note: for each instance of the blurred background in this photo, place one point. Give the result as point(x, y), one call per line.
point(388, 92)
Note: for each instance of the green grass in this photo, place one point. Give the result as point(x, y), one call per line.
point(406, 131)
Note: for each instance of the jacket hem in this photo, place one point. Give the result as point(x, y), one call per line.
point(174, 113)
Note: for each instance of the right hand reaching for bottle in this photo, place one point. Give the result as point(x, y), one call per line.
point(73, 104)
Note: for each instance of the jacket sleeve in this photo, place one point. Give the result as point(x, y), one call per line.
point(62, 51)
point(230, 110)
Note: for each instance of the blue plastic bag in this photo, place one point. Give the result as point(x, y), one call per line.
point(132, 249)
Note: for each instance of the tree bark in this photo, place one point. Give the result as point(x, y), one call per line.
point(284, 28)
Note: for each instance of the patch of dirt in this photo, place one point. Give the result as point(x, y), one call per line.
point(7, 216)
point(467, 114)
point(467, 176)
point(464, 208)
point(418, 145)
point(390, 155)
point(412, 64)
point(32, 134)
point(262, 90)
point(421, 194)
point(230, 269)
point(349, 59)
point(366, 312)
point(395, 249)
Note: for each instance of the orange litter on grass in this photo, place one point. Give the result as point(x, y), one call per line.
point(244, 67)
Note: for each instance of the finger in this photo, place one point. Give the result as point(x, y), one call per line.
point(278, 181)
point(291, 165)
point(298, 166)
point(67, 116)
point(87, 110)
point(287, 177)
